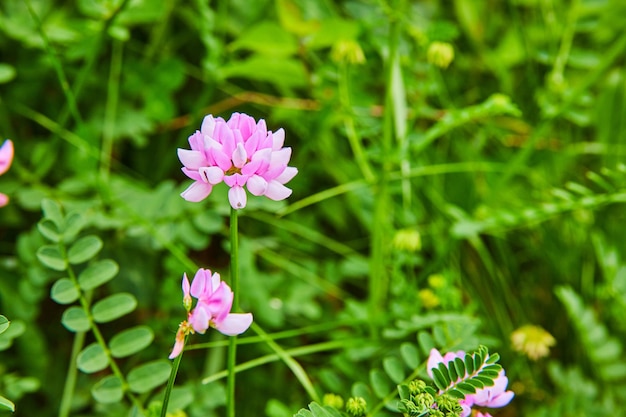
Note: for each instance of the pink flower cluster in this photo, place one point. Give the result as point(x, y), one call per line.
point(240, 152)
point(214, 301)
point(490, 397)
point(6, 157)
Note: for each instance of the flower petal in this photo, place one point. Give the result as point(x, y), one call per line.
point(240, 157)
point(287, 175)
point(6, 156)
point(179, 344)
point(501, 400)
point(278, 139)
point(213, 175)
point(4, 200)
point(256, 185)
point(199, 319)
point(234, 324)
point(197, 191)
point(192, 159)
point(194, 175)
point(208, 125)
point(434, 359)
point(276, 191)
point(221, 159)
point(200, 284)
point(237, 197)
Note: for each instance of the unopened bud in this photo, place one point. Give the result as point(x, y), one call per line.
point(356, 406)
point(440, 54)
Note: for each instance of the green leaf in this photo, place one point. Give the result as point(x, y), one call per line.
point(50, 256)
point(268, 38)
point(452, 371)
point(148, 376)
point(4, 324)
point(108, 390)
point(460, 366)
point(7, 73)
point(92, 359)
point(487, 381)
point(410, 354)
point(52, 210)
point(131, 341)
point(380, 383)
point(6, 404)
point(64, 291)
point(475, 382)
point(84, 249)
point(469, 363)
point(456, 394)
point(97, 274)
point(281, 71)
point(16, 329)
point(465, 387)
point(75, 320)
point(394, 368)
point(444, 372)
point(74, 222)
point(438, 378)
point(49, 230)
point(113, 307)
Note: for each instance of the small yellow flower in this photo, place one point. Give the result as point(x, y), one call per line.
point(333, 400)
point(533, 341)
point(440, 54)
point(408, 240)
point(347, 51)
point(428, 298)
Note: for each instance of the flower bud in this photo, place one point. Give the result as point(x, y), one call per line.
point(356, 406)
point(348, 51)
point(440, 54)
point(333, 400)
point(416, 386)
point(533, 341)
point(408, 240)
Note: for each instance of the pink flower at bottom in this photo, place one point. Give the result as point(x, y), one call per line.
point(241, 153)
point(495, 396)
point(6, 158)
point(214, 302)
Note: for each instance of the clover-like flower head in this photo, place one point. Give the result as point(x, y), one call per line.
point(240, 152)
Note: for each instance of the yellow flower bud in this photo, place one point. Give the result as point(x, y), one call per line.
point(440, 54)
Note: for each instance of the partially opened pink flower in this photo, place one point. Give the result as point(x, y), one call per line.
point(242, 153)
point(495, 396)
point(6, 157)
point(215, 299)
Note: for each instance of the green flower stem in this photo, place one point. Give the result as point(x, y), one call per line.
point(383, 214)
point(351, 131)
point(70, 379)
point(111, 110)
point(170, 382)
point(234, 285)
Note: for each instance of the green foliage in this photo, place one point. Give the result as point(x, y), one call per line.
point(69, 252)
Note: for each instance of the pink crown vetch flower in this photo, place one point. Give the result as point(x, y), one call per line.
point(240, 152)
point(6, 157)
point(215, 299)
point(491, 397)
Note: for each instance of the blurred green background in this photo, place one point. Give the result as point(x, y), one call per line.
point(460, 176)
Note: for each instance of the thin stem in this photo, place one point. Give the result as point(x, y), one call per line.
point(111, 110)
point(170, 382)
point(70, 379)
point(65, 86)
point(234, 285)
point(348, 120)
